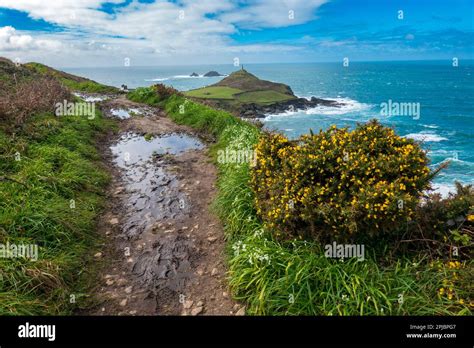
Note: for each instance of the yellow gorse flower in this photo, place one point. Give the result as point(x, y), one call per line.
point(353, 180)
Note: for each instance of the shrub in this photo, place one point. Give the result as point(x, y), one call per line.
point(164, 92)
point(144, 95)
point(339, 185)
point(443, 227)
point(29, 98)
point(152, 95)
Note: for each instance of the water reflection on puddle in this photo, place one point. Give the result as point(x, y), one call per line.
point(153, 192)
point(125, 113)
point(132, 148)
point(91, 98)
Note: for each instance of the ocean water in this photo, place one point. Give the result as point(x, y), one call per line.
point(444, 124)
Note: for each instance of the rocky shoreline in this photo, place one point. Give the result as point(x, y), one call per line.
point(260, 111)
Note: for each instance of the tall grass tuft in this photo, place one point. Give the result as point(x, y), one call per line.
point(46, 165)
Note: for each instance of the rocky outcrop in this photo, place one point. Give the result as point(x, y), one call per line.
point(212, 74)
point(194, 75)
point(260, 111)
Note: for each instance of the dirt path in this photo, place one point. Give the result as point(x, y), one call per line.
point(164, 252)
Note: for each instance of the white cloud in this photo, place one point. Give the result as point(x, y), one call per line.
point(11, 41)
point(153, 31)
point(273, 13)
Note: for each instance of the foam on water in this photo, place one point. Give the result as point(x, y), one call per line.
point(349, 106)
point(159, 79)
point(426, 136)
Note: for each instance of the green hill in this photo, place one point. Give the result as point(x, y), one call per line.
point(12, 74)
point(242, 87)
point(76, 83)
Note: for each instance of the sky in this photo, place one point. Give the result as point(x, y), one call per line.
point(88, 33)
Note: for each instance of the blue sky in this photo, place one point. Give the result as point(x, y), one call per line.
point(149, 32)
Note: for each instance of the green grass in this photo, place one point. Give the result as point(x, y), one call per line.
point(228, 93)
point(214, 93)
point(58, 163)
point(88, 86)
point(144, 95)
point(205, 119)
point(241, 87)
point(73, 82)
point(263, 97)
point(234, 94)
point(294, 277)
point(246, 82)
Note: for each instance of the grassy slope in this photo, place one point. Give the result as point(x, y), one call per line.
point(246, 81)
point(262, 97)
point(9, 73)
point(75, 83)
point(295, 278)
point(58, 163)
point(243, 87)
point(214, 92)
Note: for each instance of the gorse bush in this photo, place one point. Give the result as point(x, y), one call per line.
point(444, 226)
point(293, 277)
point(339, 185)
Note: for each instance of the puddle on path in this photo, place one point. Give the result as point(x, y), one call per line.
point(91, 98)
point(124, 113)
point(134, 148)
point(153, 192)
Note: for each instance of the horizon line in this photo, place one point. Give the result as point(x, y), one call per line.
point(260, 63)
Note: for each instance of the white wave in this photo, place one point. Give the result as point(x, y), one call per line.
point(443, 189)
point(425, 136)
point(349, 106)
point(283, 114)
point(454, 161)
point(158, 79)
point(433, 126)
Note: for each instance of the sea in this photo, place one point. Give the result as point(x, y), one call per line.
point(429, 101)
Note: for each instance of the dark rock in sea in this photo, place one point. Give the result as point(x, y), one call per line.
point(194, 75)
point(212, 74)
point(260, 111)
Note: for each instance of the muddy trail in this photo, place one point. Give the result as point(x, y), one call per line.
point(164, 250)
